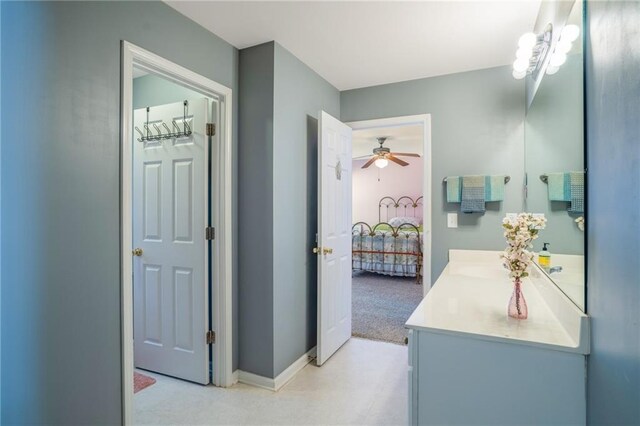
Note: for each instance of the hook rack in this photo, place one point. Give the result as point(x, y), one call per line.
point(148, 135)
point(506, 179)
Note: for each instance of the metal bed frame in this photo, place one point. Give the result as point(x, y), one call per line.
point(389, 207)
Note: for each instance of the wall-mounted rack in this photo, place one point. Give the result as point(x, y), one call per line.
point(544, 178)
point(506, 179)
point(171, 133)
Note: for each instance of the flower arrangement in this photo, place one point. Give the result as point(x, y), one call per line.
point(520, 231)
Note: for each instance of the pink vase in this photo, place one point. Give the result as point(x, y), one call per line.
point(517, 304)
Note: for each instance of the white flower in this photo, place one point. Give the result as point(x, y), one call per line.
point(520, 231)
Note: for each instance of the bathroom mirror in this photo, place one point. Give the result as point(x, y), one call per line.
point(554, 162)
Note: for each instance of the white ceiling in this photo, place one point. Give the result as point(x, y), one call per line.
point(363, 43)
point(399, 139)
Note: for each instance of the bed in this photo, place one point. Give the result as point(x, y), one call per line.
point(393, 246)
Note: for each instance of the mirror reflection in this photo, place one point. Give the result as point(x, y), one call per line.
point(554, 161)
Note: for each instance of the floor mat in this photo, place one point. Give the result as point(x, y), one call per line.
point(382, 305)
point(140, 381)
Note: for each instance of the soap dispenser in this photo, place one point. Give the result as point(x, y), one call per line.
point(544, 257)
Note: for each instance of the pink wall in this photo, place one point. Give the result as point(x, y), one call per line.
point(395, 181)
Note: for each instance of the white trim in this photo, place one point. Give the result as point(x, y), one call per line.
point(282, 378)
point(221, 297)
point(427, 211)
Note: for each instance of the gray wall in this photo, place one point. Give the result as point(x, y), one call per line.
point(299, 94)
point(280, 99)
point(554, 142)
point(150, 90)
point(477, 128)
point(613, 221)
point(60, 241)
point(255, 210)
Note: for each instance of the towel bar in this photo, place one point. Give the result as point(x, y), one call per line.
point(544, 178)
point(506, 179)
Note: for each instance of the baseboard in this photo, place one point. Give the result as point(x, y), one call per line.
point(282, 378)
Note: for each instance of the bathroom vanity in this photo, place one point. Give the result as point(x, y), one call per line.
point(469, 363)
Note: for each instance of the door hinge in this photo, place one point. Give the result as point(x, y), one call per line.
point(211, 337)
point(211, 129)
point(210, 233)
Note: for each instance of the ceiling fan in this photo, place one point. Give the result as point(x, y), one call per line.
point(382, 156)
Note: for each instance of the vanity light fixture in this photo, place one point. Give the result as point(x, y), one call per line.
point(568, 35)
point(531, 48)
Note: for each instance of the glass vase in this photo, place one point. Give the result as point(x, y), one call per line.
point(517, 305)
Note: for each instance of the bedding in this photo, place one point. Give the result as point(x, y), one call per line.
point(383, 252)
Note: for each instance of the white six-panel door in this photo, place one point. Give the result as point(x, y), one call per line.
point(334, 235)
point(169, 220)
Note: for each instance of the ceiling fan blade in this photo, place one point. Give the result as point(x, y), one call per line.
point(362, 157)
point(370, 162)
point(405, 154)
point(397, 160)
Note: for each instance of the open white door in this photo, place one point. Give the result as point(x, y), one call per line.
point(334, 236)
point(170, 262)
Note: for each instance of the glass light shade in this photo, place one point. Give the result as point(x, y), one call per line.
point(521, 65)
point(557, 59)
point(564, 46)
point(552, 70)
point(527, 41)
point(519, 75)
point(570, 32)
point(381, 163)
point(523, 53)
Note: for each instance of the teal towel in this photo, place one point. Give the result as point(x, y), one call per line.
point(576, 191)
point(454, 189)
point(558, 187)
point(473, 195)
point(494, 188)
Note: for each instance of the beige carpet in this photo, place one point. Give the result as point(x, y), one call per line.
point(382, 305)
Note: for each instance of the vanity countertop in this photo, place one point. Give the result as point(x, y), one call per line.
point(470, 298)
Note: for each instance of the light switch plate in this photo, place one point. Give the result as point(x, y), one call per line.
point(452, 220)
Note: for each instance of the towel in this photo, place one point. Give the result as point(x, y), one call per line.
point(576, 192)
point(453, 189)
point(473, 194)
point(494, 188)
point(558, 187)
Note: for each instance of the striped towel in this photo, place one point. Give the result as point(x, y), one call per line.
point(558, 187)
point(473, 194)
point(494, 188)
point(453, 189)
point(576, 192)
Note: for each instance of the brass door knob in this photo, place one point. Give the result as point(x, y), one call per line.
point(327, 250)
point(137, 251)
point(316, 250)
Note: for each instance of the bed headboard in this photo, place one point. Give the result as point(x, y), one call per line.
point(388, 207)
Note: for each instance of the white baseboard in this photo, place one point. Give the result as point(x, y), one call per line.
point(282, 378)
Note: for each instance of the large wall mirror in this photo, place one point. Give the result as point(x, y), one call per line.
point(555, 164)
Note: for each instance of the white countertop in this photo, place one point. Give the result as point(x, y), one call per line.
point(470, 298)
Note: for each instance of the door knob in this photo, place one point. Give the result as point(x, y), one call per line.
point(137, 251)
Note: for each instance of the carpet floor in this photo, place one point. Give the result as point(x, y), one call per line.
point(382, 305)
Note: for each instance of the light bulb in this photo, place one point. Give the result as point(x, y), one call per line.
point(381, 163)
point(570, 32)
point(523, 53)
point(552, 70)
point(528, 40)
point(564, 46)
point(557, 59)
point(521, 65)
point(519, 75)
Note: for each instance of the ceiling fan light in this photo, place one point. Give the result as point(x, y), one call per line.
point(381, 163)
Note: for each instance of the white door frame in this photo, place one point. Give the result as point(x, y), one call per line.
point(221, 294)
point(427, 206)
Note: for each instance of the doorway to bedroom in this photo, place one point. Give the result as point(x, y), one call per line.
point(391, 218)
